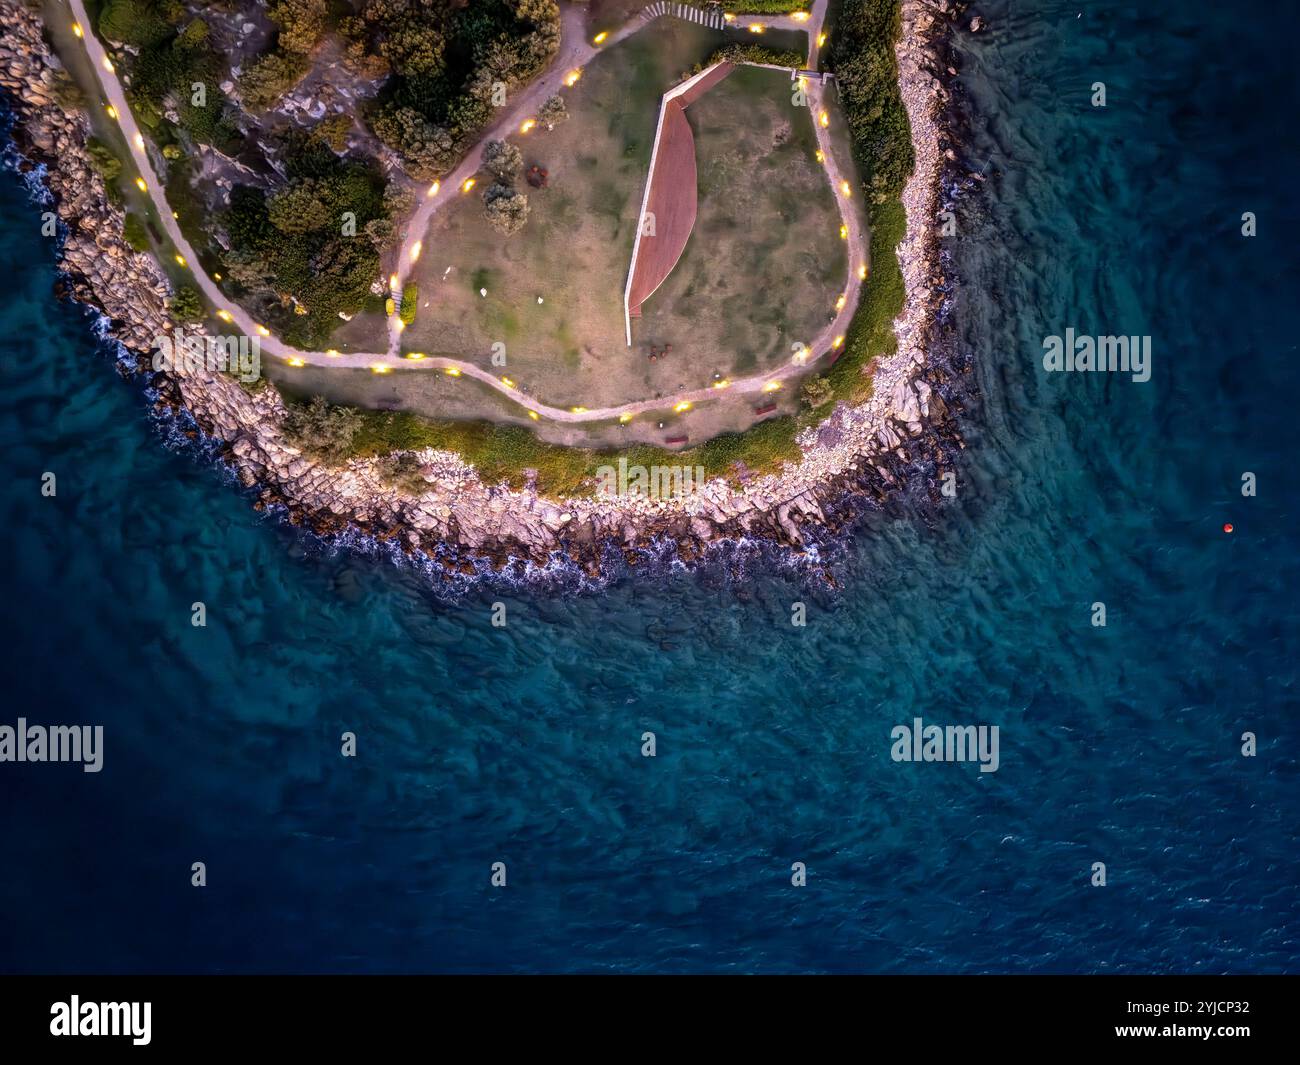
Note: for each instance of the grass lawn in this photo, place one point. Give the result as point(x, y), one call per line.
point(767, 225)
point(574, 250)
point(765, 264)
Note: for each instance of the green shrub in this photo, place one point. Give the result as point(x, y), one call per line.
point(757, 53)
point(410, 301)
point(134, 232)
point(334, 131)
point(103, 160)
point(67, 93)
point(134, 22)
point(186, 305)
point(816, 391)
point(321, 431)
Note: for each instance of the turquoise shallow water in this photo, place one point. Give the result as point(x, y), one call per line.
point(521, 744)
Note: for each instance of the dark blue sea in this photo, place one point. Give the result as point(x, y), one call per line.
point(1119, 744)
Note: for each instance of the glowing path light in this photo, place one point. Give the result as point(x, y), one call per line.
point(225, 316)
point(846, 189)
point(380, 368)
point(263, 331)
point(571, 78)
point(682, 407)
point(600, 38)
point(433, 190)
point(824, 119)
point(295, 361)
point(527, 125)
point(534, 415)
point(112, 111)
point(77, 30)
point(416, 249)
point(451, 371)
point(468, 184)
point(139, 141)
point(139, 184)
point(772, 386)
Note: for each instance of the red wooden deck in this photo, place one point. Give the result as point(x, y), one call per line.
point(673, 195)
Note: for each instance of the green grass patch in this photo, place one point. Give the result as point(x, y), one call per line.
point(499, 452)
point(765, 7)
point(871, 333)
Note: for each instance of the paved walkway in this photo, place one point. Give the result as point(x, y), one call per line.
point(575, 50)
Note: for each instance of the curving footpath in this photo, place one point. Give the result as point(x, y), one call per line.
point(572, 55)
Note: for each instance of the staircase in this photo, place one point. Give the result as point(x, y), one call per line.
point(711, 18)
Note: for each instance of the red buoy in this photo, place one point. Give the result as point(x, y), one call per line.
point(1227, 527)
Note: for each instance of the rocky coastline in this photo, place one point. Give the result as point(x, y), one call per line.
point(902, 439)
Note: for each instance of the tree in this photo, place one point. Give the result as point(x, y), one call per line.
point(428, 151)
point(502, 160)
point(553, 112)
point(334, 131)
point(301, 22)
point(413, 48)
point(300, 208)
point(507, 209)
point(270, 77)
point(380, 232)
point(398, 200)
point(186, 305)
point(321, 431)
